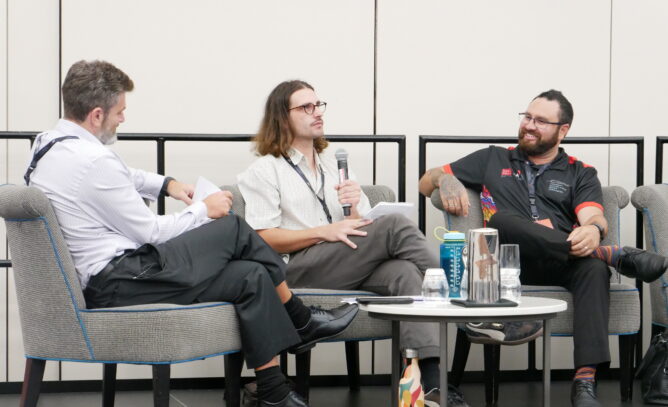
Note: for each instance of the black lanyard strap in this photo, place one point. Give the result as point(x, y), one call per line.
point(322, 201)
point(531, 184)
point(39, 154)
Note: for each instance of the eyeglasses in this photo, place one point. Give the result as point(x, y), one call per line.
point(525, 118)
point(309, 108)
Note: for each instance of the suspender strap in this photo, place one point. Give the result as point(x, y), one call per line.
point(322, 201)
point(531, 184)
point(39, 154)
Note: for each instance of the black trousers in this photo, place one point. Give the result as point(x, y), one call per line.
point(545, 261)
point(224, 260)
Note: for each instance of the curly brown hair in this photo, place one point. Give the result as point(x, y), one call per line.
point(274, 136)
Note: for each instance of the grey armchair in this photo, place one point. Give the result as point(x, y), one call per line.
point(57, 326)
point(652, 201)
point(363, 328)
point(624, 321)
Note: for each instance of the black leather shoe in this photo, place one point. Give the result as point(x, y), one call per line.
point(637, 263)
point(583, 394)
point(324, 324)
point(291, 400)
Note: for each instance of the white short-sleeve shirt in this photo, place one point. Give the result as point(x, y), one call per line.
point(278, 197)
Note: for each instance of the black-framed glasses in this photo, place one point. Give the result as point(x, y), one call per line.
point(526, 118)
point(309, 108)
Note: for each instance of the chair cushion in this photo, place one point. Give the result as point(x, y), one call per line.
point(624, 308)
point(153, 333)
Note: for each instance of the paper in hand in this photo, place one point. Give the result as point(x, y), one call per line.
point(386, 208)
point(204, 188)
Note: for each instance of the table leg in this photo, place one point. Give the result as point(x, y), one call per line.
point(547, 336)
point(396, 365)
point(444, 362)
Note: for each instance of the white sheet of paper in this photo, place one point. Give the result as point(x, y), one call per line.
point(204, 188)
point(386, 208)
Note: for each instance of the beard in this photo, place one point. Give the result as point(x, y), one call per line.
point(107, 134)
point(542, 145)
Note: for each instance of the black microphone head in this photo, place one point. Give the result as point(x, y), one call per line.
point(341, 154)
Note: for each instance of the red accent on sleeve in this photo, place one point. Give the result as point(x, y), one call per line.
point(447, 169)
point(573, 160)
point(586, 204)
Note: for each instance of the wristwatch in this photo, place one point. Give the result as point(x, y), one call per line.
point(166, 182)
point(601, 231)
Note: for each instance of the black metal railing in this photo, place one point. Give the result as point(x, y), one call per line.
point(162, 138)
point(658, 174)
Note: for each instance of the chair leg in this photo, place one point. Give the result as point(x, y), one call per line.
point(32, 381)
point(108, 384)
point(234, 363)
point(284, 363)
point(462, 348)
point(353, 363)
point(492, 361)
point(303, 367)
point(161, 385)
point(626, 371)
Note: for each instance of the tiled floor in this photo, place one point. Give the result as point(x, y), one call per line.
point(510, 395)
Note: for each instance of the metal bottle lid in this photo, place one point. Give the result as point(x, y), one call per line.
point(410, 353)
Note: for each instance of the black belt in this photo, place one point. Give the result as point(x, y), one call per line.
point(112, 264)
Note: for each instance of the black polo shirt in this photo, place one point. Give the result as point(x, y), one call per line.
point(499, 174)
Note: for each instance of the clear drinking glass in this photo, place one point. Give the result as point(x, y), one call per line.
point(509, 262)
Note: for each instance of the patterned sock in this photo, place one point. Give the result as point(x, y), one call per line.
point(609, 254)
point(587, 373)
point(299, 313)
point(430, 373)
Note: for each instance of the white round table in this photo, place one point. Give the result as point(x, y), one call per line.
point(531, 308)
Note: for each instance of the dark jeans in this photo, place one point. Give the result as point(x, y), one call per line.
point(224, 260)
point(545, 261)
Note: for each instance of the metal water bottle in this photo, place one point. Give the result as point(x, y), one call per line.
point(452, 249)
point(410, 385)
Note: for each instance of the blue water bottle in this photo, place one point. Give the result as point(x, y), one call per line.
point(452, 249)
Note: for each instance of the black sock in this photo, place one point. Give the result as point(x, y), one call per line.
point(299, 313)
point(271, 385)
point(430, 373)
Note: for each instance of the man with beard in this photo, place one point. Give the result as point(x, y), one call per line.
point(551, 205)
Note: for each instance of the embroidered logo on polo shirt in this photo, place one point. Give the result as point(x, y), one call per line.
point(506, 172)
point(557, 186)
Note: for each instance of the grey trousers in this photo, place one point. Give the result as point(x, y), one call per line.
point(390, 260)
point(224, 260)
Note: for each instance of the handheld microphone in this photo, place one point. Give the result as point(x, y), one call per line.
point(342, 162)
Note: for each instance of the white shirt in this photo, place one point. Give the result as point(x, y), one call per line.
point(277, 197)
point(98, 200)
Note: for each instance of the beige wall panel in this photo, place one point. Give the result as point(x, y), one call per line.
point(638, 86)
point(32, 66)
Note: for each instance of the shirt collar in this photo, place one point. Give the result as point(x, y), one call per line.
point(70, 128)
point(559, 163)
point(297, 157)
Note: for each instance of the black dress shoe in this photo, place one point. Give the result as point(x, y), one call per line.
point(637, 263)
point(583, 394)
point(324, 324)
point(291, 400)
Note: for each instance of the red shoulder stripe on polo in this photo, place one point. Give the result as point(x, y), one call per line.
point(586, 204)
point(573, 160)
point(447, 169)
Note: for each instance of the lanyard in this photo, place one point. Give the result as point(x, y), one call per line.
point(531, 184)
point(322, 176)
point(39, 154)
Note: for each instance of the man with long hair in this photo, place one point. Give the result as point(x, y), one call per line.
point(124, 254)
point(294, 200)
